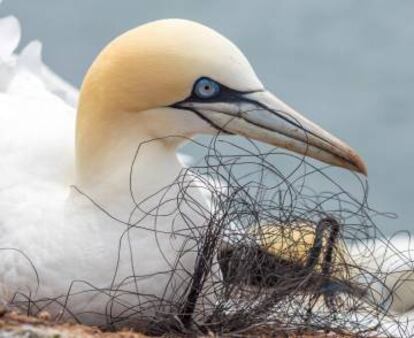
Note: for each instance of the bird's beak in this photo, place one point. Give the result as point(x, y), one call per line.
point(263, 117)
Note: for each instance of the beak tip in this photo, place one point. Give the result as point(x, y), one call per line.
point(363, 170)
point(359, 165)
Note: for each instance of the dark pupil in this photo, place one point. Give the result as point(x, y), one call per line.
point(207, 87)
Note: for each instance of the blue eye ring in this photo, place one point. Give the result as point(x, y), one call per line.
point(206, 88)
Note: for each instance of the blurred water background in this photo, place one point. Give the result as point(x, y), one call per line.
point(346, 64)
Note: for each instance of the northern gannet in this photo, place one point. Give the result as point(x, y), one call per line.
point(85, 235)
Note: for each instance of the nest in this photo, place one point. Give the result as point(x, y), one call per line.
point(291, 249)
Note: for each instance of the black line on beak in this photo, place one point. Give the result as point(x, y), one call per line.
point(229, 95)
point(293, 122)
point(270, 110)
point(215, 126)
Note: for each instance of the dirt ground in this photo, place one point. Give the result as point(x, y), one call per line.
point(15, 325)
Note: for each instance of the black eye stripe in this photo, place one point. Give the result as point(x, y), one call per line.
point(225, 94)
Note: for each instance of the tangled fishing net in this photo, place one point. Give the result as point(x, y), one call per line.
point(295, 247)
point(281, 244)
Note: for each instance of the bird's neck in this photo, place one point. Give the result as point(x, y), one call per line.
point(122, 161)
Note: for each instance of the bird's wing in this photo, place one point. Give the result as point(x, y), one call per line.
point(9, 37)
point(31, 60)
point(36, 138)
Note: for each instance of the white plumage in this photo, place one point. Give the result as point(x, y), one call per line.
point(51, 234)
point(85, 250)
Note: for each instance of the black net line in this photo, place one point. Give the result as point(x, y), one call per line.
point(272, 250)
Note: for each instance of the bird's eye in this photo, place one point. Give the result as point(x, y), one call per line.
point(206, 88)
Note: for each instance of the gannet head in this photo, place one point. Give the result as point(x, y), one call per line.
point(177, 77)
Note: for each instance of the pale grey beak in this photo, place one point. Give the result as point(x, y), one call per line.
point(263, 117)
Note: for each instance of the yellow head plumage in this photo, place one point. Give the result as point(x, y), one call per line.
point(148, 68)
point(142, 86)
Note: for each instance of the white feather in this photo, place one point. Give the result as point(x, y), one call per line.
point(51, 234)
point(47, 225)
